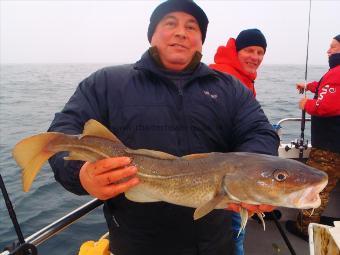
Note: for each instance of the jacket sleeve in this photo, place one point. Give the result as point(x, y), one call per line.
point(88, 102)
point(251, 129)
point(328, 102)
point(312, 86)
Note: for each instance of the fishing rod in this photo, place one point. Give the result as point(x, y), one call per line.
point(23, 248)
point(301, 144)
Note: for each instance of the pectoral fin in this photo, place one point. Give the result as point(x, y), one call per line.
point(207, 207)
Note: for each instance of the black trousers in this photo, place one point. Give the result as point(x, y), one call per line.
point(165, 229)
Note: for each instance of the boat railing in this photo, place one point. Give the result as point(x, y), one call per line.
point(294, 148)
point(57, 226)
point(291, 120)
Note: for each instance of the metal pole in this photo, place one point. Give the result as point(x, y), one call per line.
point(57, 226)
point(11, 212)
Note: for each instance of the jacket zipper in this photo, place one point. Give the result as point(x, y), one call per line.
point(183, 138)
point(180, 94)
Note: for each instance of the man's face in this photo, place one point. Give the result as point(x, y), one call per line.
point(251, 58)
point(177, 38)
point(334, 47)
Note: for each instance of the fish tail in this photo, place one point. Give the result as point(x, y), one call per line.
point(31, 153)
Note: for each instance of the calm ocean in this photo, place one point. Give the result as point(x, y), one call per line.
point(29, 97)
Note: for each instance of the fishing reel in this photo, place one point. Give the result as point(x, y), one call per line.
point(300, 144)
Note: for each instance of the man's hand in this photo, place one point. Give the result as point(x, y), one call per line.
point(109, 177)
point(250, 208)
point(301, 87)
point(302, 103)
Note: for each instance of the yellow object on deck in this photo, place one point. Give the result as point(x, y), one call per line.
point(95, 248)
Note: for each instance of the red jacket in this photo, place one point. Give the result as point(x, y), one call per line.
point(328, 102)
point(226, 60)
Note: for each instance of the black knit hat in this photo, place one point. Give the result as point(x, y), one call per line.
point(250, 37)
point(337, 38)
point(187, 6)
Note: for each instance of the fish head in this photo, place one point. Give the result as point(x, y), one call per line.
point(263, 179)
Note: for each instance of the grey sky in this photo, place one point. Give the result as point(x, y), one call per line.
point(115, 31)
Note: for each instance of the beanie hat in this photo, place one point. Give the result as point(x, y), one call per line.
point(187, 6)
point(337, 38)
point(250, 37)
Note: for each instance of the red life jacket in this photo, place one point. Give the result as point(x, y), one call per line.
point(226, 61)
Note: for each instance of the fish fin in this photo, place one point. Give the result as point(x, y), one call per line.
point(196, 156)
point(261, 215)
point(244, 219)
point(136, 194)
point(207, 207)
point(95, 128)
point(31, 153)
point(152, 154)
point(226, 190)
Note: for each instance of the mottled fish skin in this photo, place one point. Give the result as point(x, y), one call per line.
point(203, 181)
point(241, 177)
point(180, 181)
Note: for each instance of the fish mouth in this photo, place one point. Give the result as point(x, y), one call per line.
point(309, 197)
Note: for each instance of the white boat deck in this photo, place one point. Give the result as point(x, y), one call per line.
point(270, 242)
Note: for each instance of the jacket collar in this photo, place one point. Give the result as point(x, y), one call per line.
point(151, 63)
point(154, 53)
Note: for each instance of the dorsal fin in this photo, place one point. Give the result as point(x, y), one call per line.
point(196, 156)
point(152, 153)
point(95, 128)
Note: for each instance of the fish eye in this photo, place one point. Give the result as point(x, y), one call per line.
point(280, 175)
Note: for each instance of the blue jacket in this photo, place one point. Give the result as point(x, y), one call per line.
point(178, 113)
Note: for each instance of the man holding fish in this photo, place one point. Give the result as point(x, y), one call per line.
point(167, 105)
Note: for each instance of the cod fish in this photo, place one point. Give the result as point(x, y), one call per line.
point(203, 181)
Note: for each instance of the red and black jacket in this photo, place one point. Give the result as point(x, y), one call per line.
point(325, 111)
point(226, 61)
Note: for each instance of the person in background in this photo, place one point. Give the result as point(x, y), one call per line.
point(241, 58)
point(324, 109)
point(167, 101)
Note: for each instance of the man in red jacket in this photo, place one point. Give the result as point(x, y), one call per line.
point(241, 57)
point(324, 109)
